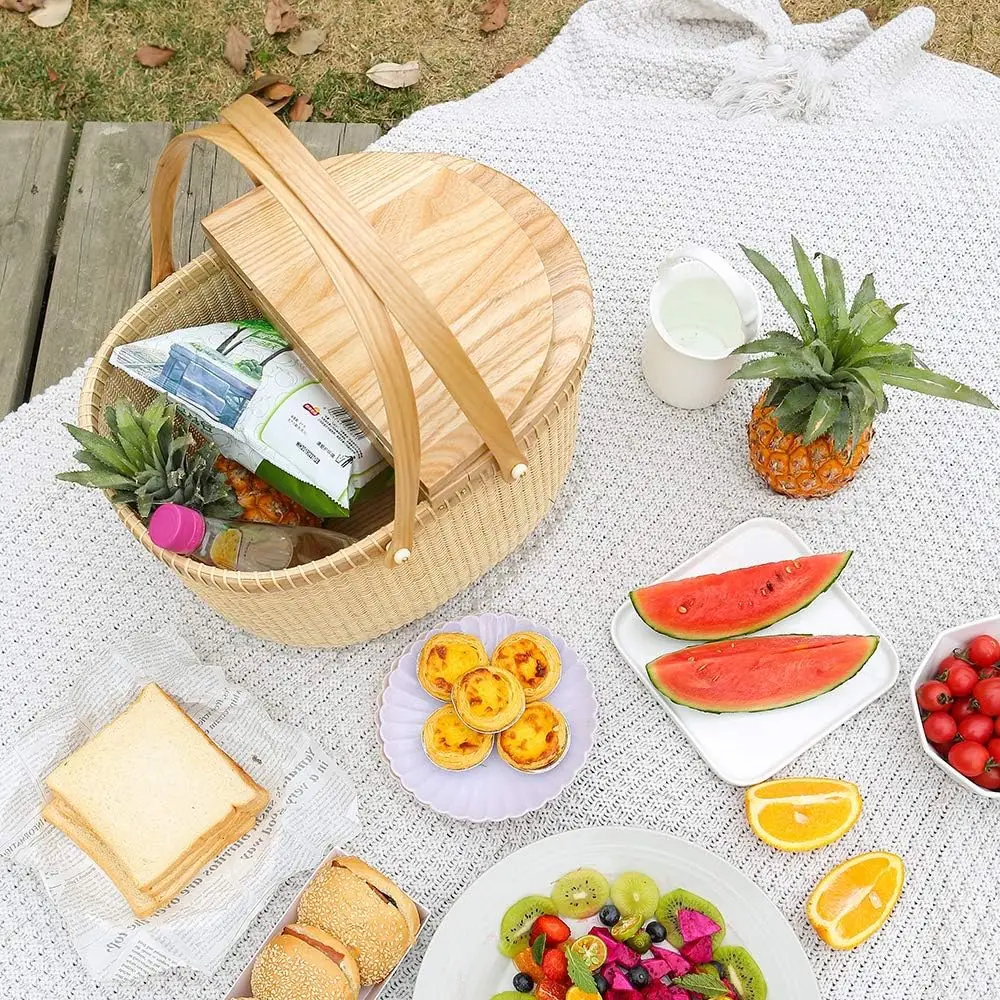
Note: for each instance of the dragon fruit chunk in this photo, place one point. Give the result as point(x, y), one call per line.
point(694, 925)
point(677, 965)
point(657, 968)
point(699, 952)
point(617, 952)
point(660, 991)
point(617, 980)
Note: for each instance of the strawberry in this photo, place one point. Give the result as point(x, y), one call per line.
point(555, 965)
point(556, 931)
point(549, 990)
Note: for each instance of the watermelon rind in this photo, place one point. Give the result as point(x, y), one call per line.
point(733, 709)
point(780, 612)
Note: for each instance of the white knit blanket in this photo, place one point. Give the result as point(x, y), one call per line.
point(894, 169)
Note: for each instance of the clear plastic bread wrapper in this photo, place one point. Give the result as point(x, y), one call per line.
point(248, 391)
point(313, 809)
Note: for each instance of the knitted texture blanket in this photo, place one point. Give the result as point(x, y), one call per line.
point(646, 124)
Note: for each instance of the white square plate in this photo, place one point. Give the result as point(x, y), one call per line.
point(747, 748)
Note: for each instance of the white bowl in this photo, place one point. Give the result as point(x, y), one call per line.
point(953, 638)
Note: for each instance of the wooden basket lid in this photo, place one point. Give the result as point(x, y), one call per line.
point(469, 255)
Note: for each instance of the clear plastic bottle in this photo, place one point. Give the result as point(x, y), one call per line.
point(240, 545)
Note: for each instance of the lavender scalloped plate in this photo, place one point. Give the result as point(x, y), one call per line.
point(493, 791)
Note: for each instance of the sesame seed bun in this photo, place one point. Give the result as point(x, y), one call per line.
point(369, 912)
point(305, 963)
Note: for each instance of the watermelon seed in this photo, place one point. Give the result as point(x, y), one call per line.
point(683, 610)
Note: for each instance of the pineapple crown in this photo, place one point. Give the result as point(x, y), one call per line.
point(147, 464)
point(830, 378)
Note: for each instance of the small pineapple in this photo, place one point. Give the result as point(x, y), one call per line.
point(813, 427)
point(146, 463)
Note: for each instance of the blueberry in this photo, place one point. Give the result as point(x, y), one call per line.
point(720, 969)
point(609, 915)
point(601, 983)
point(656, 931)
point(523, 983)
point(638, 977)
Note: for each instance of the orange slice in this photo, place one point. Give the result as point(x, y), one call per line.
point(855, 899)
point(801, 814)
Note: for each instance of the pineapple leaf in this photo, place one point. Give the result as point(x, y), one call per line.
point(823, 354)
point(776, 392)
point(871, 378)
point(96, 478)
point(780, 367)
point(792, 423)
point(875, 355)
point(815, 298)
point(866, 294)
point(932, 384)
point(822, 415)
point(105, 451)
point(875, 321)
point(786, 294)
point(833, 278)
point(841, 429)
point(130, 436)
point(156, 415)
point(774, 341)
point(801, 398)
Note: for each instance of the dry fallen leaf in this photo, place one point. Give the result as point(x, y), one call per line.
point(279, 17)
point(152, 56)
point(236, 48)
point(394, 75)
point(494, 14)
point(52, 75)
point(871, 12)
point(516, 64)
point(51, 14)
point(278, 91)
point(305, 43)
point(301, 109)
point(261, 81)
point(21, 6)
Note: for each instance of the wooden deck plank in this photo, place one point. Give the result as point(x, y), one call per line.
point(33, 161)
point(212, 178)
point(102, 266)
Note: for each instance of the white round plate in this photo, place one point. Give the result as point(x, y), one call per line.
point(493, 791)
point(463, 961)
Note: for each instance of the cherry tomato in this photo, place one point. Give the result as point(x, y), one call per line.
point(941, 749)
point(987, 694)
point(987, 673)
point(976, 728)
point(933, 695)
point(963, 708)
point(940, 727)
point(997, 726)
point(969, 758)
point(994, 748)
point(989, 779)
point(958, 676)
point(984, 651)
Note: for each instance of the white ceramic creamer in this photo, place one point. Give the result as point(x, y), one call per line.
point(700, 310)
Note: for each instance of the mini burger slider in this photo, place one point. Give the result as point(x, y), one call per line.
point(305, 963)
point(367, 911)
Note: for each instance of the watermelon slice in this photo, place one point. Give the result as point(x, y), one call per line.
point(755, 675)
point(724, 605)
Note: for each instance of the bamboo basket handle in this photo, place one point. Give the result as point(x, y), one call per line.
point(374, 260)
point(369, 315)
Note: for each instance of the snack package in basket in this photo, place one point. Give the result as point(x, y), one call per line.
point(248, 391)
point(311, 807)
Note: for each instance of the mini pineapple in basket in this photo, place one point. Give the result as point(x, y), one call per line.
point(151, 457)
point(812, 428)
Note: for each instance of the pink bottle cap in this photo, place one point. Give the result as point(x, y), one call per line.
point(176, 528)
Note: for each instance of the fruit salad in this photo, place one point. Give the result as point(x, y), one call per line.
point(960, 709)
point(623, 940)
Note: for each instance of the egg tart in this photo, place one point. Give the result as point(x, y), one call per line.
point(488, 699)
point(444, 658)
point(533, 660)
point(450, 744)
point(537, 741)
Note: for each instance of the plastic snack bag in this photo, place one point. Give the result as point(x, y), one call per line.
point(247, 390)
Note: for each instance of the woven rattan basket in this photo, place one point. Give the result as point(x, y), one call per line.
point(358, 593)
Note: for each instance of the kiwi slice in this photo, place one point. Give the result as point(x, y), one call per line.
point(681, 899)
point(743, 972)
point(580, 894)
point(635, 895)
point(517, 921)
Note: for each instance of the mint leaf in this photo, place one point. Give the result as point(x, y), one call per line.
point(708, 984)
point(538, 949)
point(579, 973)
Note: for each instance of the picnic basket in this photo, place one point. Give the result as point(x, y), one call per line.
point(442, 303)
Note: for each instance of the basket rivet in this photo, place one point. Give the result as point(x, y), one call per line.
point(519, 470)
point(400, 556)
